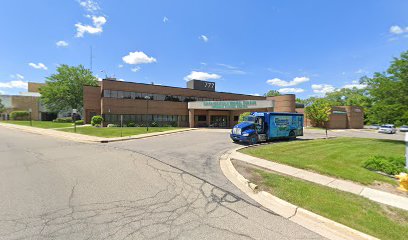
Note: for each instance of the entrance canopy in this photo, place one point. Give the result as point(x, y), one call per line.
point(230, 105)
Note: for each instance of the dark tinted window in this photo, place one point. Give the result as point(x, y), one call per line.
point(202, 118)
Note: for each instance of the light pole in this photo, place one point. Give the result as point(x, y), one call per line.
point(74, 112)
point(147, 111)
point(121, 125)
point(31, 119)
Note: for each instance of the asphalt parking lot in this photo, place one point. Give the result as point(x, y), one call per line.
point(360, 133)
point(167, 187)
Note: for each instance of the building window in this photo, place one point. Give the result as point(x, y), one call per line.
point(114, 94)
point(236, 118)
point(127, 95)
point(107, 93)
point(201, 118)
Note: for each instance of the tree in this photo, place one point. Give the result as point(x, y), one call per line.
point(389, 93)
point(64, 90)
point(2, 107)
point(242, 116)
point(319, 112)
point(272, 93)
point(351, 97)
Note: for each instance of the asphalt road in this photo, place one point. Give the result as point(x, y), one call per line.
point(167, 187)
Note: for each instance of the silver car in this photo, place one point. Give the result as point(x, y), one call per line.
point(403, 128)
point(387, 128)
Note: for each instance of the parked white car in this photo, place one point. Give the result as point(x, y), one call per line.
point(387, 128)
point(374, 126)
point(403, 128)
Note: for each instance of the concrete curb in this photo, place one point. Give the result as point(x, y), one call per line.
point(85, 138)
point(146, 135)
point(340, 184)
point(316, 223)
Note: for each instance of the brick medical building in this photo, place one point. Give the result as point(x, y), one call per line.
point(197, 105)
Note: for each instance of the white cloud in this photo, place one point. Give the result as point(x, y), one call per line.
point(398, 30)
point(61, 44)
point(204, 38)
point(89, 5)
point(201, 76)
point(362, 71)
point(165, 19)
point(96, 28)
point(281, 83)
point(255, 94)
point(355, 84)
point(138, 58)
point(291, 90)
point(135, 69)
point(120, 66)
point(14, 84)
point(2, 92)
point(323, 88)
point(229, 69)
point(17, 76)
point(38, 66)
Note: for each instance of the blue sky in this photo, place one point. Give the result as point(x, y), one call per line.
point(302, 47)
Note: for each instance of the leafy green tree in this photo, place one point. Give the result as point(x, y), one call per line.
point(319, 112)
point(389, 93)
point(242, 115)
point(272, 93)
point(64, 90)
point(351, 97)
point(2, 107)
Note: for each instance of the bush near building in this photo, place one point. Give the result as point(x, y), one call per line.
point(79, 122)
point(63, 120)
point(20, 115)
point(96, 120)
point(388, 165)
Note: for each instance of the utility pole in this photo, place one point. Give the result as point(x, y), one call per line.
point(90, 58)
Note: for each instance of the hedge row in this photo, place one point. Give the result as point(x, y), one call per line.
point(20, 115)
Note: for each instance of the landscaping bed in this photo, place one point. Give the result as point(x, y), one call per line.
point(339, 157)
point(112, 132)
point(357, 212)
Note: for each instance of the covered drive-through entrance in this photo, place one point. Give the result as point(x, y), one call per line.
point(223, 114)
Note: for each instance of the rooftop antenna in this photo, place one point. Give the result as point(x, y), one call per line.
point(90, 57)
point(106, 74)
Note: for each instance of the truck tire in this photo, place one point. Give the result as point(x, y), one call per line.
point(292, 135)
point(253, 140)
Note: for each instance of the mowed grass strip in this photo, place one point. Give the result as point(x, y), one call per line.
point(40, 124)
point(339, 157)
point(115, 131)
point(357, 212)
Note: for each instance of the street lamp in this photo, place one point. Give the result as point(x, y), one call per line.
point(74, 112)
point(31, 119)
point(147, 111)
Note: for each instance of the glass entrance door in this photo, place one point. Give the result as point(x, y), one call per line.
point(219, 121)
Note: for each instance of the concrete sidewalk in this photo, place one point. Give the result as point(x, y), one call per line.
point(86, 138)
point(343, 185)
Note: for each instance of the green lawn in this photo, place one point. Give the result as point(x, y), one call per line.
point(357, 212)
point(115, 131)
point(339, 157)
point(40, 124)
